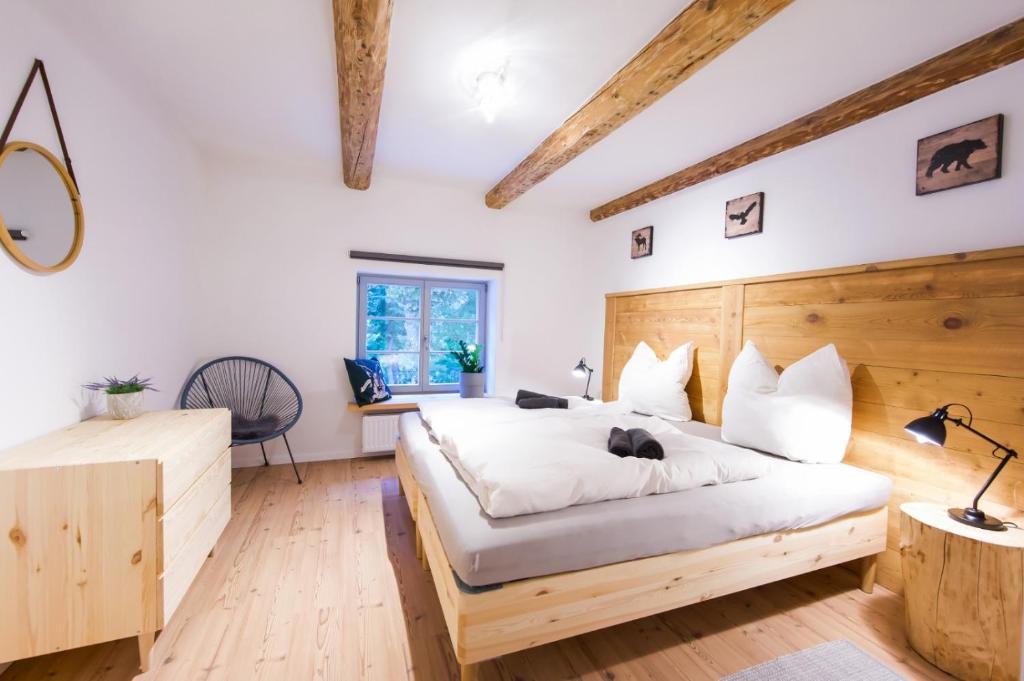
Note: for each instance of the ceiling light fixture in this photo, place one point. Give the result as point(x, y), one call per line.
point(482, 69)
point(491, 93)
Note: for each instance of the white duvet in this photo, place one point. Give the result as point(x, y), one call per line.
point(520, 461)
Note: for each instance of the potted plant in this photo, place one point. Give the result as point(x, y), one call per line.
point(471, 381)
point(124, 398)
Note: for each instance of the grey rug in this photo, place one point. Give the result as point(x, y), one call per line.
point(832, 661)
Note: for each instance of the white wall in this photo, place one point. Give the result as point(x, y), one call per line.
point(845, 199)
point(273, 270)
point(122, 307)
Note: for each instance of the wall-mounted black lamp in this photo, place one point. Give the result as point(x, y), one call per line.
point(932, 430)
point(18, 234)
point(582, 370)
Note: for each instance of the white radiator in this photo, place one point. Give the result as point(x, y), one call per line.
point(380, 433)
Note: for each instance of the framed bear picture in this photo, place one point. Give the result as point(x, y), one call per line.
point(641, 242)
point(969, 154)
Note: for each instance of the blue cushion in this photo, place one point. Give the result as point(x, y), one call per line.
point(367, 379)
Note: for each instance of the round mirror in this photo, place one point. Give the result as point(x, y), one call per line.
point(40, 210)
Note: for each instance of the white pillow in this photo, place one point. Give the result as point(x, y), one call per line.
point(804, 415)
point(658, 388)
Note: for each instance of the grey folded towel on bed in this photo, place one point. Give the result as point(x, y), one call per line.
point(527, 394)
point(644, 444)
point(619, 443)
point(544, 403)
point(634, 442)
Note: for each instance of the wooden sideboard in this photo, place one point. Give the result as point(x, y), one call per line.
point(104, 526)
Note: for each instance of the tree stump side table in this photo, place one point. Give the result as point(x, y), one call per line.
point(964, 593)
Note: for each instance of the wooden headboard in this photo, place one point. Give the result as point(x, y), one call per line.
point(917, 334)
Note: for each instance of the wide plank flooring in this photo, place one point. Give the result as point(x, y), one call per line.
point(321, 582)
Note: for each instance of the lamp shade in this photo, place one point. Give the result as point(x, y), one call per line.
point(930, 429)
point(581, 368)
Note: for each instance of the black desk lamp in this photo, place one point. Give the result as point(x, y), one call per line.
point(932, 430)
point(582, 370)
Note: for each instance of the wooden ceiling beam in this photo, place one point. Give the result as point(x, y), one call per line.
point(361, 39)
point(704, 30)
point(996, 49)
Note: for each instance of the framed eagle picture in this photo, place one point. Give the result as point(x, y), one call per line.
point(641, 242)
point(744, 215)
point(969, 154)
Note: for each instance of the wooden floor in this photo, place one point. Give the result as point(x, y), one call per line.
point(321, 582)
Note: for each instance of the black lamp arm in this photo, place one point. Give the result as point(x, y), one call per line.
point(1010, 454)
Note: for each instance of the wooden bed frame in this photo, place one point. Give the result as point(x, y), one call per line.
point(916, 334)
point(539, 610)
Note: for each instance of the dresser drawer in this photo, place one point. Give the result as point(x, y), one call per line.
point(181, 470)
point(185, 518)
point(180, 572)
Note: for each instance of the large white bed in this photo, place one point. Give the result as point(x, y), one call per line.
point(485, 551)
point(506, 584)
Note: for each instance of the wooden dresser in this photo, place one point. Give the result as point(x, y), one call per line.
point(104, 526)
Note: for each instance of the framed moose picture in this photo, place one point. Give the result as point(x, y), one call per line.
point(641, 243)
point(966, 155)
point(744, 215)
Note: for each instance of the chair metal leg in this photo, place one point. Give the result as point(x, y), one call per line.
point(296, 468)
point(264, 450)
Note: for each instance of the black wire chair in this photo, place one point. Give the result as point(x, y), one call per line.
point(264, 403)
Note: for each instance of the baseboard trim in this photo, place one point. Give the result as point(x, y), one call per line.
point(251, 457)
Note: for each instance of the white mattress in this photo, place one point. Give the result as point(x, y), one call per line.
point(485, 550)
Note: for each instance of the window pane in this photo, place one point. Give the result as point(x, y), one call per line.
point(444, 369)
point(392, 334)
point(443, 332)
point(453, 303)
point(400, 369)
point(393, 300)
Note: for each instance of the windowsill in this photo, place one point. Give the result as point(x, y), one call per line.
point(401, 403)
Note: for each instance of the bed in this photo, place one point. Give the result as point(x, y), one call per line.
point(514, 583)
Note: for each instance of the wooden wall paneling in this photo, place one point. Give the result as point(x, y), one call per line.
point(909, 264)
point(693, 39)
point(995, 49)
point(1002, 397)
point(888, 420)
point(665, 321)
point(917, 334)
point(609, 379)
point(730, 340)
point(361, 29)
point(968, 335)
point(957, 279)
point(897, 456)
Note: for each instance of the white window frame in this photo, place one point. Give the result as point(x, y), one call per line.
point(427, 284)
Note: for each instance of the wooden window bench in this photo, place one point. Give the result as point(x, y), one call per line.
point(401, 403)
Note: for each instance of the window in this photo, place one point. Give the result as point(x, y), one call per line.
point(407, 324)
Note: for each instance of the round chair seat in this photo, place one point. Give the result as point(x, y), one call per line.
point(263, 402)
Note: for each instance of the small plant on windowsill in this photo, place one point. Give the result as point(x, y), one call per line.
point(471, 381)
point(124, 397)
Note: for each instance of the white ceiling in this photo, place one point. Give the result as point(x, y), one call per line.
point(256, 79)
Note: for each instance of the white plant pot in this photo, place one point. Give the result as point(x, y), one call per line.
point(125, 406)
point(471, 385)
